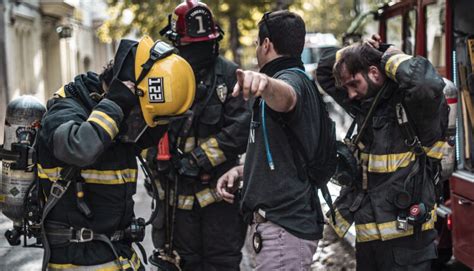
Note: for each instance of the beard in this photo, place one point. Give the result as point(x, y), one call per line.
point(372, 88)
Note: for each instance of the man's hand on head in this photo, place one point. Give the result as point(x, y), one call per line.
point(376, 42)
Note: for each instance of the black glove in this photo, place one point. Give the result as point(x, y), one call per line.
point(384, 46)
point(122, 95)
point(188, 166)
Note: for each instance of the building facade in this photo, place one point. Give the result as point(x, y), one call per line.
point(44, 44)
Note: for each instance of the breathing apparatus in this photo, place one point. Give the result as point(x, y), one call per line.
point(18, 192)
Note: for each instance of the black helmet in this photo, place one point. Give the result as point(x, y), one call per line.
point(347, 171)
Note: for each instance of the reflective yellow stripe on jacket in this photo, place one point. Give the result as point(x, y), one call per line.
point(204, 197)
point(105, 122)
point(342, 226)
point(60, 93)
point(386, 163)
point(388, 230)
point(213, 152)
point(132, 264)
point(93, 176)
point(393, 63)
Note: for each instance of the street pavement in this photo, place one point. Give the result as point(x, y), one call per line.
point(30, 259)
point(332, 253)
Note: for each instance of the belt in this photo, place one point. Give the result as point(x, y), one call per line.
point(258, 218)
point(59, 236)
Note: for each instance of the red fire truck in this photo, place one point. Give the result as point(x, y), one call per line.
point(443, 32)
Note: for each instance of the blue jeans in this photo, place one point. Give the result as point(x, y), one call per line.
point(281, 250)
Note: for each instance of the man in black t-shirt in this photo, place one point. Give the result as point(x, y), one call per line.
point(282, 207)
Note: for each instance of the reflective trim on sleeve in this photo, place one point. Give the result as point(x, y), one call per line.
point(60, 93)
point(342, 225)
point(213, 152)
point(388, 230)
point(104, 121)
point(185, 202)
point(207, 196)
point(392, 64)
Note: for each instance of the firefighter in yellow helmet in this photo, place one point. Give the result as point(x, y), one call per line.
point(206, 232)
point(87, 147)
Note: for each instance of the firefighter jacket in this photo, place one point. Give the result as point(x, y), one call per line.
point(80, 131)
point(388, 166)
point(215, 135)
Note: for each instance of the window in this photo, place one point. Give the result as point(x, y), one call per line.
point(410, 33)
point(435, 36)
point(394, 31)
point(24, 57)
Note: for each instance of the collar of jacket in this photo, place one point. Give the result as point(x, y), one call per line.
point(281, 63)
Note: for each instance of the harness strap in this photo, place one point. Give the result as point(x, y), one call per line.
point(297, 146)
point(58, 189)
point(411, 139)
point(197, 108)
point(414, 143)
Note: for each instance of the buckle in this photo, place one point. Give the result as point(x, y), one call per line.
point(85, 235)
point(258, 218)
point(57, 190)
point(161, 50)
point(117, 236)
point(416, 146)
point(402, 223)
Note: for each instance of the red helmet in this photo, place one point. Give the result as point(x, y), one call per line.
point(191, 21)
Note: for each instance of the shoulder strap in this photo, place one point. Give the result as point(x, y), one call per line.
point(197, 111)
point(300, 153)
point(58, 189)
point(414, 143)
point(411, 139)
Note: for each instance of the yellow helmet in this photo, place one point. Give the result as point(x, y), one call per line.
point(164, 81)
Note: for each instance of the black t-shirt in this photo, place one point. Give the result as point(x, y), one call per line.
point(284, 198)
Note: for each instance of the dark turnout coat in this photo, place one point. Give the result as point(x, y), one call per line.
point(79, 131)
point(385, 159)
